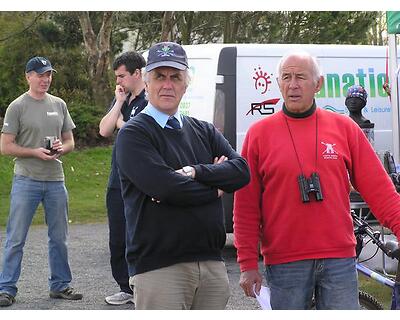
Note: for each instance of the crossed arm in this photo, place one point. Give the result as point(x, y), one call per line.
point(155, 178)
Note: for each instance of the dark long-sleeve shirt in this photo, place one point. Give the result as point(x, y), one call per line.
point(187, 224)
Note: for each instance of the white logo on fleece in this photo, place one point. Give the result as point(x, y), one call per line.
point(329, 148)
point(329, 153)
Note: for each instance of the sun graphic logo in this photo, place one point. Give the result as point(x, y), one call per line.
point(261, 80)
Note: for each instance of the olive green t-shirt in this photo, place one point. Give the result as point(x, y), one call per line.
point(32, 120)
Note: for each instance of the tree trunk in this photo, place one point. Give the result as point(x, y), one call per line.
point(166, 26)
point(187, 27)
point(98, 51)
point(227, 27)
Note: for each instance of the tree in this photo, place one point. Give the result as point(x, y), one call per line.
point(98, 52)
point(15, 32)
point(167, 26)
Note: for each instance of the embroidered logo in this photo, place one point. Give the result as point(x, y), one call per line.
point(165, 52)
point(330, 153)
point(44, 62)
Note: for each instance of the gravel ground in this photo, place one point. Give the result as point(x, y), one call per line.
point(89, 260)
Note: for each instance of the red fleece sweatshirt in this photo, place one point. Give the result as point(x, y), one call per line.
point(270, 207)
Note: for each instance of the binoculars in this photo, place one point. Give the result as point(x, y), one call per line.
point(310, 185)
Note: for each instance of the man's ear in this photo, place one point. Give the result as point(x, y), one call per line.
point(138, 73)
point(320, 82)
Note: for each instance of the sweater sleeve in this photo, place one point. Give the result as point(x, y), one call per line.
point(139, 162)
point(229, 175)
point(369, 177)
point(247, 210)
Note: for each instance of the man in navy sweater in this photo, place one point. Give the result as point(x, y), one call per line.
point(174, 170)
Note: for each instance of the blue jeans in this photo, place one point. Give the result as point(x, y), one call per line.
point(333, 282)
point(26, 195)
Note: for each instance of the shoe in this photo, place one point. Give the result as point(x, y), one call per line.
point(68, 294)
point(119, 298)
point(6, 299)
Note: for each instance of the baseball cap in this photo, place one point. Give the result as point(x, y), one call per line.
point(357, 91)
point(166, 54)
point(39, 65)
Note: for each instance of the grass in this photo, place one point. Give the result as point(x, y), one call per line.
point(86, 176)
point(380, 292)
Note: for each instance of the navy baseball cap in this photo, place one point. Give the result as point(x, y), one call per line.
point(166, 54)
point(39, 65)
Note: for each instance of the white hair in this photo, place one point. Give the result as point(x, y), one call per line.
point(315, 71)
point(186, 76)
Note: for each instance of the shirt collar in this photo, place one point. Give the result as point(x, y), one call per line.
point(160, 117)
point(304, 114)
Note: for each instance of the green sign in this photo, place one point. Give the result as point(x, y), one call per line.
point(393, 21)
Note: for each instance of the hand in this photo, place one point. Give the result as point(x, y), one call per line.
point(248, 279)
point(220, 159)
point(44, 154)
point(57, 149)
point(185, 170)
point(120, 94)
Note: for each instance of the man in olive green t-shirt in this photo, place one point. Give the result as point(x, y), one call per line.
point(37, 130)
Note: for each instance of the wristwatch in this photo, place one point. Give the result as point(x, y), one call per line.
point(188, 171)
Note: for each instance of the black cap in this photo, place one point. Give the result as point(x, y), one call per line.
point(166, 54)
point(39, 65)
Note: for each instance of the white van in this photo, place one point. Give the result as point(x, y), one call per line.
point(235, 85)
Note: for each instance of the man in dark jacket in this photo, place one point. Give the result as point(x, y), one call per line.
point(129, 100)
point(172, 195)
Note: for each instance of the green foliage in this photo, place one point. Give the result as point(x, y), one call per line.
point(274, 27)
point(87, 119)
point(86, 176)
point(69, 34)
point(14, 53)
point(45, 38)
point(141, 29)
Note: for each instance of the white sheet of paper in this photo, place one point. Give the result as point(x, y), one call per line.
point(264, 297)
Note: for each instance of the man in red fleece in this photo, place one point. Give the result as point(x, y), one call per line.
point(297, 202)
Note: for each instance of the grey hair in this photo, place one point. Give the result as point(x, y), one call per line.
point(186, 75)
point(316, 69)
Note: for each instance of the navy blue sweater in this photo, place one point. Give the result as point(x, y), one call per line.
point(188, 224)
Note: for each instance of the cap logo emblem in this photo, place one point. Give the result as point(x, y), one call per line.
point(165, 52)
point(43, 62)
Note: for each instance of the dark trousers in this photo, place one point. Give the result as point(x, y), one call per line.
point(116, 223)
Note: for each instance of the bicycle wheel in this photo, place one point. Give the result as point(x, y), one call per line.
point(368, 302)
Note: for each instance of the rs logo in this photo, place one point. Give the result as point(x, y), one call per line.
point(263, 107)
